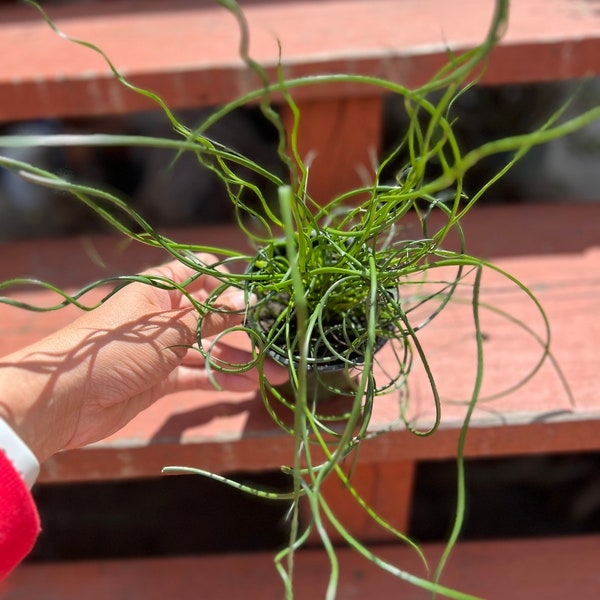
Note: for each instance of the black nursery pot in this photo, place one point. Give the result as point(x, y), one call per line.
point(327, 375)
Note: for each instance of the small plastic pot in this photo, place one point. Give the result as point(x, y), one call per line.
point(327, 375)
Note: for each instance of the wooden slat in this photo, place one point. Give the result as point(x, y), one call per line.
point(339, 140)
point(557, 255)
point(391, 500)
point(187, 50)
point(552, 569)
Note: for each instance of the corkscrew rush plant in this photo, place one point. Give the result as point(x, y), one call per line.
point(331, 280)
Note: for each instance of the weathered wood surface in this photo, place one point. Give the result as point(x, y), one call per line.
point(551, 248)
point(187, 50)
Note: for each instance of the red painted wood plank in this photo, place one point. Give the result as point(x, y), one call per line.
point(552, 569)
point(557, 255)
point(187, 51)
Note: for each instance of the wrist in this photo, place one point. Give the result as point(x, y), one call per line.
point(25, 408)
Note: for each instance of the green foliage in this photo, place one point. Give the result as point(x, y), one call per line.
point(333, 279)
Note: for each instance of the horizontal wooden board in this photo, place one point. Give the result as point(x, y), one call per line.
point(552, 248)
point(552, 569)
point(187, 51)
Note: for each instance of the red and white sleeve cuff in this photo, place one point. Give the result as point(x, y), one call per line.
point(19, 454)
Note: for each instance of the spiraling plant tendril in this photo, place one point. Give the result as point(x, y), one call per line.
point(377, 255)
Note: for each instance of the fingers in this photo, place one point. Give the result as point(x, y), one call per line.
point(232, 300)
point(232, 358)
point(189, 378)
point(193, 374)
point(179, 272)
point(230, 307)
point(230, 312)
point(233, 382)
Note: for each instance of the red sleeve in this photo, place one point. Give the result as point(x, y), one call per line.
point(19, 519)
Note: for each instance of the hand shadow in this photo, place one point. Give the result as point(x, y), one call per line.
point(173, 428)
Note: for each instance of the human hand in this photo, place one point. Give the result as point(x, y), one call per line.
point(89, 379)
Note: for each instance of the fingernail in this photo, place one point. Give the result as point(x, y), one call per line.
point(237, 300)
